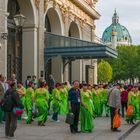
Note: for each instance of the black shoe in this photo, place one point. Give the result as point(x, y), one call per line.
point(78, 131)
point(73, 132)
point(116, 130)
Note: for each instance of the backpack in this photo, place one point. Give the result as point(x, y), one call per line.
point(7, 103)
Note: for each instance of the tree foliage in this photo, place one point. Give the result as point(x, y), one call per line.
point(127, 65)
point(104, 71)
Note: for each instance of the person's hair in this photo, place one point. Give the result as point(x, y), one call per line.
point(57, 85)
point(33, 76)
point(125, 87)
point(41, 84)
point(75, 81)
point(28, 76)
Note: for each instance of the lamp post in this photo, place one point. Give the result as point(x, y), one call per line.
point(19, 20)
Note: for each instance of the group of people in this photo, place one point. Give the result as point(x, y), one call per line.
point(85, 101)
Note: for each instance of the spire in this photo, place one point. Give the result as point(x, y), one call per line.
point(115, 18)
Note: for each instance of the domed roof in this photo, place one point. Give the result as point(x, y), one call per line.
point(123, 35)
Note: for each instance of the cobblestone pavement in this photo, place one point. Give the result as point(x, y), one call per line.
point(60, 131)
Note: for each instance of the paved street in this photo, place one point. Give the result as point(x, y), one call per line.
point(60, 131)
point(135, 135)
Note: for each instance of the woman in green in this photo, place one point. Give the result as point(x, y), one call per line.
point(56, 102)
point(97, 101)
point(104, 94)
point(137, 93)
point(29, 102)
point(132, 101)
point(41, 98)
point(64, 98)
point(87, 110)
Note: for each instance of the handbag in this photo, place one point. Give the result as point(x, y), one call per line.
point(17, 111)
point(130, 111)
point(116, 121)
point(69, 118)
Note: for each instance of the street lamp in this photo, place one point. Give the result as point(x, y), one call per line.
point(19, 20)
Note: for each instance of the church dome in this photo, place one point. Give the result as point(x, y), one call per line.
point(123, 36)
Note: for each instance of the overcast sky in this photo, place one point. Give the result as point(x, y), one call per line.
point(128, 11)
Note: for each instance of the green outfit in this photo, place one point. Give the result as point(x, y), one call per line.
point(104, 94)
point(64, 103)
point(56, 102)
point(41, 98)
point(96, 96)
point(131, 101)
point(29, 104)
point(87, 114)
point(138, 106)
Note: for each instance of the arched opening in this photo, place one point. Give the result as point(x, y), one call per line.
point(53, 25)
point(73, 32)
point(15, 47)
point(52, 22)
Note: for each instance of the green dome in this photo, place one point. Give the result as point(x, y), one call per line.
point(122, 32)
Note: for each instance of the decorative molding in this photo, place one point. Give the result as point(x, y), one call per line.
point(45, 5)
point(37, 3)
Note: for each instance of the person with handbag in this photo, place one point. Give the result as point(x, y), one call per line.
point(114, 102)
point(74, 101)
point(10, 104)
point(87, 110)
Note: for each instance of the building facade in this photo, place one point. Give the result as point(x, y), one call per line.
point(23, 51)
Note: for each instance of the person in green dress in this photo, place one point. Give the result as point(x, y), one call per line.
point(87, 110)
point(56, 102)
point(64, 98)
point(131, 101)
point(104, 94)
point(137, 93)
point(29, 102)
point(41, 97)
point(97, 101)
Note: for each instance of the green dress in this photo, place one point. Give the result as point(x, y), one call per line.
point(41, 98)
point(97, 102)
point(86, 116)
point(64, 103)
point(104, 94)
point(131, 101)
point(56, 102)
point(29, 104)
point(137, 106)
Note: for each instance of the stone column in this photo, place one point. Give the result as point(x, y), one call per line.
point(41, 39)
point(3, 43)
point(29, 51)
point(57, 69)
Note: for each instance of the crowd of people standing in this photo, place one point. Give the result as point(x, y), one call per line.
point(39, 99)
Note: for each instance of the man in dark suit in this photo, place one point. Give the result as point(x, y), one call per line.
point(74, 105)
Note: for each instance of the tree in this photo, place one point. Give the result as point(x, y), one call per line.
point(104, 71)
point(127, 65)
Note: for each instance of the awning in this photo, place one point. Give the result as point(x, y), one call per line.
point(68, 47)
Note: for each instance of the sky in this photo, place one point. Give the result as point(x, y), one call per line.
point(129, 15)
